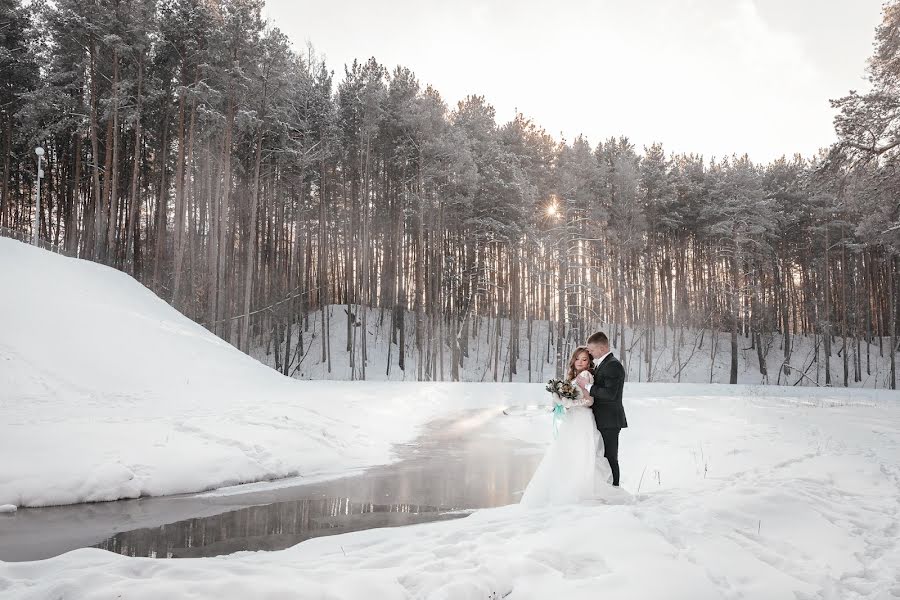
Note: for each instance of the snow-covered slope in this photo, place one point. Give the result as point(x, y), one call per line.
point(107, 392)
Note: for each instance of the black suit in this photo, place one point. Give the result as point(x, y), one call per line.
point(609, 414)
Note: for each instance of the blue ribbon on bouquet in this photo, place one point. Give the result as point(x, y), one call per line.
point(558, 411)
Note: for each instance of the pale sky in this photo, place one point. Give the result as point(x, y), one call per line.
point(714, 77)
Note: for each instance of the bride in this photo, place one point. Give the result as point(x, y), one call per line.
point(570, 470)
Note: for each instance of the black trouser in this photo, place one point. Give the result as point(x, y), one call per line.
point(611, 451)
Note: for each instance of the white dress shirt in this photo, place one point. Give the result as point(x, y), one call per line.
point(597, 361)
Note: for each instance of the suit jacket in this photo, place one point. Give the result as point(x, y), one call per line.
point(609, 380)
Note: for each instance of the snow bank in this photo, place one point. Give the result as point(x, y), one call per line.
point(107, 392)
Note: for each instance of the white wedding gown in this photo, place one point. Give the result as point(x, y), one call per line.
point(573, 468)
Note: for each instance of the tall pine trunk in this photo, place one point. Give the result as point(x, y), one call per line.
point(4, 184)
point(892, 295)
point(251, 248)
point(735, 303)
point(94, 236)
point(112, 175)
point(135, 201)
point(178, 234)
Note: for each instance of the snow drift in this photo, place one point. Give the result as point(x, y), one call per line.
point(107, 392)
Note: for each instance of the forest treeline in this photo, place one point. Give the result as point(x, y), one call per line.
point(188, 144)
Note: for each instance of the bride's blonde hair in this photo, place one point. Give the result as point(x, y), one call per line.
point(570, 372)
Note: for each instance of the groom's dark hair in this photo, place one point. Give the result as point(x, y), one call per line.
point(599, 338)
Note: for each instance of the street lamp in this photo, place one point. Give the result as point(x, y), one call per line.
point(37, 207)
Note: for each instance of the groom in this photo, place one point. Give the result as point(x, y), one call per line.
point(609, 414)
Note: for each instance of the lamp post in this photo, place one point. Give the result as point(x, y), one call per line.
point(37, 207)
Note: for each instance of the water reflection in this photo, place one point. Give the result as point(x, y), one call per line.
point(270, 527)
point(461, 463)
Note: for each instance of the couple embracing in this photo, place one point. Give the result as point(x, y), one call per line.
point(583, 459)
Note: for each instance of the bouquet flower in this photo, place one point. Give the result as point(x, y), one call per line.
point(563, 389)
point(564, 394)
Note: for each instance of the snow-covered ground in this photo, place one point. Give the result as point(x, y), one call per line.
point(736, 495)
point(738, 491)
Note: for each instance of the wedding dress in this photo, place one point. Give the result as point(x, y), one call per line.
point(573, 468)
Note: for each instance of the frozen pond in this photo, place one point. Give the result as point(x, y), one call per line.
point(457, 465)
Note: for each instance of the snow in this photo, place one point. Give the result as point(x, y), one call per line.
point(750, 494)
point(107, 392)
point(736, 491)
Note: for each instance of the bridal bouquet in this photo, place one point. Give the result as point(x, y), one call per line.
point(563, 389)
point(565, 394)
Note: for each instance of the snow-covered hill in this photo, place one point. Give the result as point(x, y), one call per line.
point(107, 392)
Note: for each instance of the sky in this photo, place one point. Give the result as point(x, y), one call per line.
point(712, 77)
